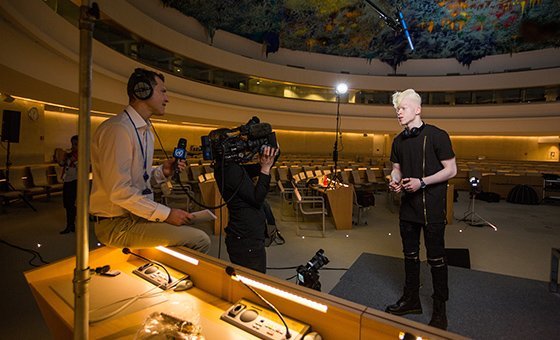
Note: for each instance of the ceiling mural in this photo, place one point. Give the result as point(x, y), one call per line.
point(466, 30)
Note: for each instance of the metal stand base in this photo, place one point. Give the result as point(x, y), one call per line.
point(474, 219)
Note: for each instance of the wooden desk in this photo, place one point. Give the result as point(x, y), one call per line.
point(211, 197)
point(340, 204)
point(214, 293)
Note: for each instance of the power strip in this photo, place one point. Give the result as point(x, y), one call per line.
point(153, 274)
point(258, 321)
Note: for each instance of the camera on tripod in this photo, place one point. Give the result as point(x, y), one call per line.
point(308, 275)
point(238, 145)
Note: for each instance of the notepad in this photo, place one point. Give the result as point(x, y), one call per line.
point(202, 216)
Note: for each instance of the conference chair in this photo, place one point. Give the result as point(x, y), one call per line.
point(307, 206)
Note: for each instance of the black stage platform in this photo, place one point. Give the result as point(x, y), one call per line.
point(481, 305)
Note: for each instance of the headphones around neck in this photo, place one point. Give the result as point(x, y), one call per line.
point(415, 131)
point(140, 85)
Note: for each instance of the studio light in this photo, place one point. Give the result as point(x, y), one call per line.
point(474, 181)
point(341, 88)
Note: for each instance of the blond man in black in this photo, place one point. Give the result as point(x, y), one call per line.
point(423, 161)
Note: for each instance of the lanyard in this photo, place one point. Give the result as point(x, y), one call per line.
point(144, 152)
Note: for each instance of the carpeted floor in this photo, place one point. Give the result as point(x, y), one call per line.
point(482, 305)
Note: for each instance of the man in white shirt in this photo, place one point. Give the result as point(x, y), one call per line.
point(121, 199)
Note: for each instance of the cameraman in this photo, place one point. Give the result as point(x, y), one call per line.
point(246, 229)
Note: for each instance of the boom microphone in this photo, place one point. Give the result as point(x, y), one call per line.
point(128, 251)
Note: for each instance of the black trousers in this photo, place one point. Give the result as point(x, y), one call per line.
point(69, 195)
point(434, 238)
point(249, 253)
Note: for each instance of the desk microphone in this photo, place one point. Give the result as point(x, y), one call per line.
point(231, 272)
point(127, 251)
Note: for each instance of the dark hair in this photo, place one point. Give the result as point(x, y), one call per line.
point(141, 74)
point(75, 137)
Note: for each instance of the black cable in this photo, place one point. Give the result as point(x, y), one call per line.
point(291, 277)
point(178, 180)
point(31, 251)
point(231, 272)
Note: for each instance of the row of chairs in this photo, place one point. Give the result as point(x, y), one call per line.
point(29, 181)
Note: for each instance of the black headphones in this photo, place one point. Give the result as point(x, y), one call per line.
point(140, 84)
point(415, 131)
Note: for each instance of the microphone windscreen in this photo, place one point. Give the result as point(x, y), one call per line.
point(126, 250)
point(230, 271)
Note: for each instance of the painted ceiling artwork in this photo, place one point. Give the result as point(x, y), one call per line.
point(466, 30)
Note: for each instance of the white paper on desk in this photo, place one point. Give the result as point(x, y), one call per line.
point(202, 216)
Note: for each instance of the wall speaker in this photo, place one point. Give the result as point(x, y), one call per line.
point(11, 121)
point(458, 257)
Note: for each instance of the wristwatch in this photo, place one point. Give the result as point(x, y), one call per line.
point(422, 184)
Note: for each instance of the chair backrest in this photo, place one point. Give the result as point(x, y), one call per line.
point(283, 173)
point(195, 171)
point(298, 195)
point(309, 174)
point(18, 178)
point(356, 177)
point(39, 176)
point(344, 176)
point(371, 176)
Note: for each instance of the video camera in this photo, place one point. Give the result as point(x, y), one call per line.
point(308, 275)
point(238, 145)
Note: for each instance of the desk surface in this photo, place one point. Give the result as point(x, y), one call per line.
point(201, 306)
point(213, 294)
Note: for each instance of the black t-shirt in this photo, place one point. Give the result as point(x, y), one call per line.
point(420, 156)
point(246, 216)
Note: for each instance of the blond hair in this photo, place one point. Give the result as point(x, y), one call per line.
point(410, 93)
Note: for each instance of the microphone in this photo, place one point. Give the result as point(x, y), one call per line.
point(231, 272)
point(128, 251)
point(180, 153)
point(405, 27)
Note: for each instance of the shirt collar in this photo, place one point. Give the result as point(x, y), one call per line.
point(139, 122)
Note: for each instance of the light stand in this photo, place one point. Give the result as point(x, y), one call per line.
point(8, 184)
point(340, 90)
point(470, 216)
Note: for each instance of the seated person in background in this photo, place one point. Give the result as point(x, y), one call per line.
point(121, 199)
point(246, 229)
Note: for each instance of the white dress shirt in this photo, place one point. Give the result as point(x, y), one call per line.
point(118, 169)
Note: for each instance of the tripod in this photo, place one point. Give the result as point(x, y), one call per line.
point(9, 185)
point(474, 219)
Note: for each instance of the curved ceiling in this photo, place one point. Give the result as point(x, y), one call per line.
point(466, 30)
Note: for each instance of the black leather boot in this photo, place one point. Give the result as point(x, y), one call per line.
point(409, 303)
point(68, 229)
point(439, 315)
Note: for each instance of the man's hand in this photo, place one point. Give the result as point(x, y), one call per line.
point(266, 159)
point(395, 185)
point(411, 184)
point(169, 166)
point(179, 217)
